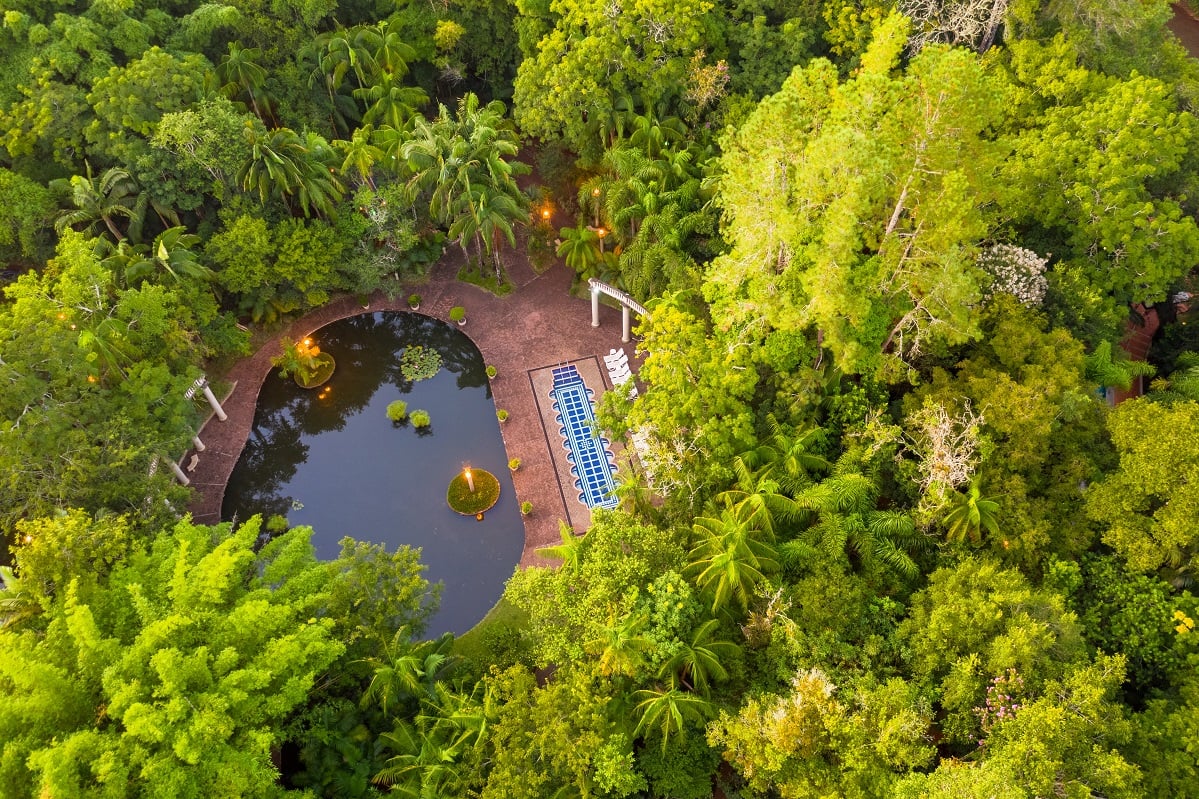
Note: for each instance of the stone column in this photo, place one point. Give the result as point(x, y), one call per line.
point(179, 475)
point(624, 322)
point(198, 444)
point(216, 406)
point(594, 306)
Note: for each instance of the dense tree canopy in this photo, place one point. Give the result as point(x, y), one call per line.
point(881, 532)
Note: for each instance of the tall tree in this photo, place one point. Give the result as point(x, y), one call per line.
point(853, 208)
point(196, 649)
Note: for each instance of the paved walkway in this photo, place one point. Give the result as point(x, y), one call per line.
point(538, 325)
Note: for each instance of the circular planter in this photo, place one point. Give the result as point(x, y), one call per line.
point(320, 375)
point(472, 503)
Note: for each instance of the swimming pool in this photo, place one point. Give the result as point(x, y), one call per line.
point(591, 461)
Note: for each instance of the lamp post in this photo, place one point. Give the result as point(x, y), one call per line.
point(595, 193)
point(601, 232)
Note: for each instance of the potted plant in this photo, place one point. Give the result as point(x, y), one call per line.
point(514, 464)
point(491, 372)
point(502, 415)
point(458, 314)
point(414, 302)
point(526, 508)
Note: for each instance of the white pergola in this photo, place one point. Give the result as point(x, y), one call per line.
point(201, 385)
point(626, 303)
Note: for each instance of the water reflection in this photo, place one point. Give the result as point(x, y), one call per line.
point(339, 464)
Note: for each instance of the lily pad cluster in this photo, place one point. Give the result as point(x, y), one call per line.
point(419, 363)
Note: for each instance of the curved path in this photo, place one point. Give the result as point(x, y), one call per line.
point(538, 325)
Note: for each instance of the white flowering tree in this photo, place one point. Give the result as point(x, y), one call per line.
point(1016, 271)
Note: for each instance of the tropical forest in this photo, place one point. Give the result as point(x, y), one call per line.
point(909, 481)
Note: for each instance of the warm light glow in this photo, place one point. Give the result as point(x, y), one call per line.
point(595, 192)
point(91, 378)
point(307, 342)
point(62, 316)
point(601, 232)
point(28, 539)
point(545, 213)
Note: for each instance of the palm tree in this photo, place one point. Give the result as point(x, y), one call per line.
point(408, 672)
point(389, 103)
point(652, 134)
point(580, 249)
point(487, 216)
point(729, 561)
point(101, 200)
point(848, 520)
point(620, 646)
point(390, 54)
point(239, 74)
point(570, 551)
point(275, 166)
point(319, 190)
point(360, 154)
point(970, 514)
point(670, 712)
point(700, 660)
point(424, 765)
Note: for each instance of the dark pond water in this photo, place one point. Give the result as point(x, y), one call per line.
point(334, 461)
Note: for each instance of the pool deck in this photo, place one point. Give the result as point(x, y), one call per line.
point(539, 325)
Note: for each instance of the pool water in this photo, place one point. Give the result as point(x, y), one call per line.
point(331, 459)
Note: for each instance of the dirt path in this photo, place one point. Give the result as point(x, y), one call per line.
point(1186, 28)
point(538, 325)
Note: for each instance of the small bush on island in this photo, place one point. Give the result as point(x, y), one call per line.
point(468, 502)
point(420, 419)
point(397, 411)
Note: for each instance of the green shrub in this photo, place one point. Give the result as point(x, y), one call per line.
point(420, 419)
point(526, 508)
point(491, 372)
point(514, 464)
point(397, 411)
point(457, 314)
point(413, 300)
point(502, 415)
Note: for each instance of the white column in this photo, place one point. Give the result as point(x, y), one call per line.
point(595, 307)
point(216, 406)
point(198, 444)
point(624, 321)
point(179, 475)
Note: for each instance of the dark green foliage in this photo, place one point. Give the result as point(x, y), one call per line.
point(1133, 615)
